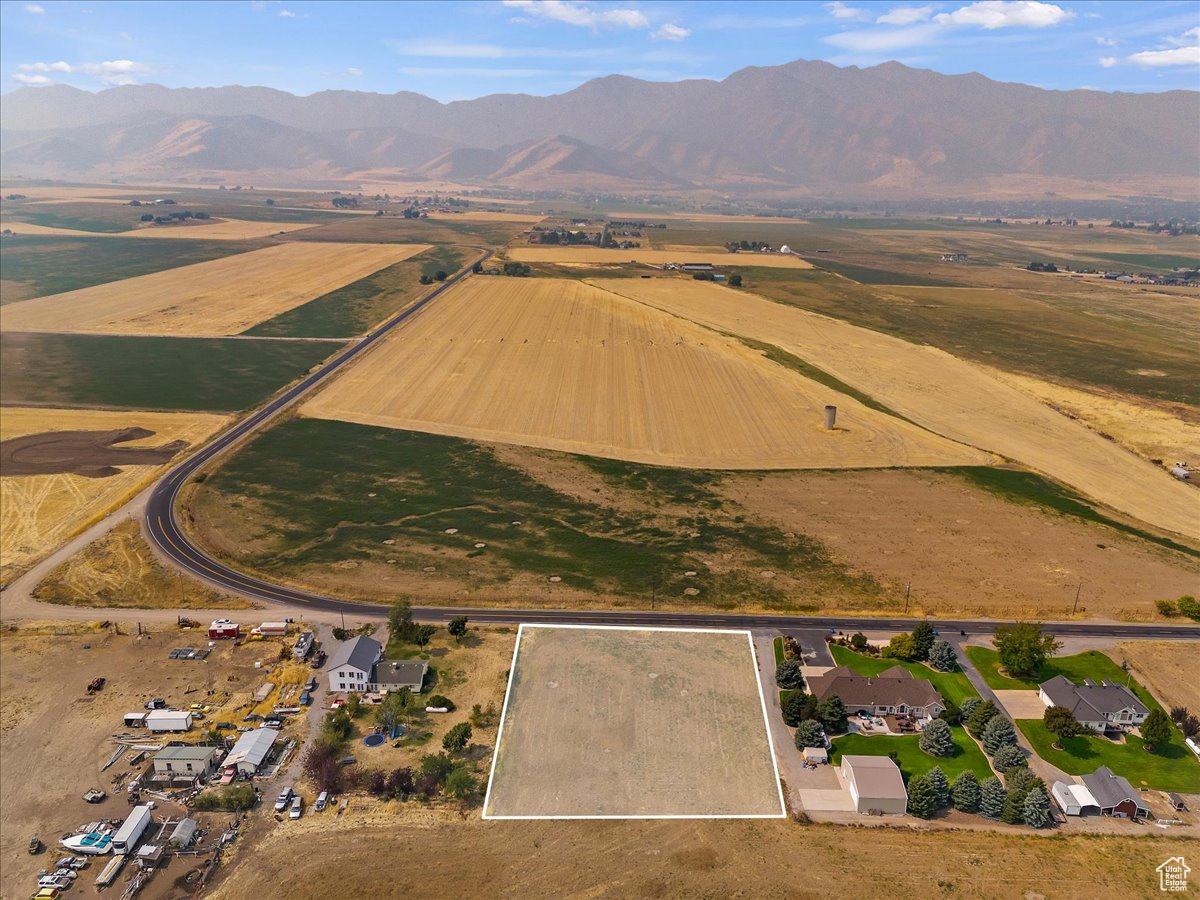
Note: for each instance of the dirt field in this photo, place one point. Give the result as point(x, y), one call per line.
point(220, 297)
point(1167, 668)
point(561, 365)
point(593, 255)
point(947, 395)
point(40, 511)
point(633, 723)
point(212, 229)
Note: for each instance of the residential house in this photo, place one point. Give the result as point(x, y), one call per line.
point(875, 784)
point(1100, 707)
point(352, 663)
point(391, 675)
point(1114, 795)
point(174, 763)
point(892, 692)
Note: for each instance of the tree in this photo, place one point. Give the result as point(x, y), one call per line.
point(965, 792)
point(922, 798)
point(457, 738)
point(810, 734)
point(1189, 607)
point(968, 706)
point(858, 641)
point(793, 706)
point(735, 280)
point(354, 707)
point(936, 739)
point(1156, 730)
point(439, 275)
point(1008, 758)
point(1179, 713)
point(1190, 726)
point(425, 279)
point(1023, 648)
point(951, 715)
point(980, 715)
point(321, 767)
point(942, 656)
point(395, 709)
point(999, 732)
point(1036, 811)
point(477, 268)
point(270, 201)
point(460, 783)
point(991, 797)
point(400, 783)
point(940, 784)
point(424, 634)
point(1013, 811)
point(923, 637)
point(1062, 723)
point(832, 713)
point(458, 628)
point(901, 646)
point(441, 701)
point(788, 674)
point(437, 765)
point(400, 621)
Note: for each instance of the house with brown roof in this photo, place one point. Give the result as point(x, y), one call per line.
point(1100, 707)
point(892, 692)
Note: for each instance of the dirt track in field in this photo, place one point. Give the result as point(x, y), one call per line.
point(945, 394)
point(567, 366)
point(89, 453)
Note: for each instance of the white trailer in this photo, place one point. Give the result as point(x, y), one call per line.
point(169, 720)
point(273, 629)
point(135, 720)
point(132, 829)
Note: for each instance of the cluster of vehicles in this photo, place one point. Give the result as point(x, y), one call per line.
point(291, 802)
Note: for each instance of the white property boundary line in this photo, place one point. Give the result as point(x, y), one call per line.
point(761, 700)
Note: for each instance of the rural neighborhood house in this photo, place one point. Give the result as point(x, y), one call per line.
point(1100, 707)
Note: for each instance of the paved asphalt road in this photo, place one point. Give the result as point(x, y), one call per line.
point(164, 531)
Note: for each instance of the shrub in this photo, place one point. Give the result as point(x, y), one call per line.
point(942, 657)
point(234, 798)
point(858, 641)
point(441, 702)
point(1166, 607)
point(1189, 607)
point(999, 732)
point(810, 734)
point(793, 706)
point(901, 646)
point(1009, 757)
point(401, 784)
point(457, 738)
point(966, 792)
point(936, 739)
point(788, 674)
point(951, 715)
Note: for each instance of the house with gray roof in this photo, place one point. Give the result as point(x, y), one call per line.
point(352, 663)
point(1114, 795)
point(1100, 707)
point(892, 692)
point(393, 674)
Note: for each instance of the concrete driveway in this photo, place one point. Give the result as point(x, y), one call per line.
point(1021, 704)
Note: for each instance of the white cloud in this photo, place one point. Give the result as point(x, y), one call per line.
point(34, 9)
point(113, 71)
point(669, 32)
point(991, 14)
point(286, 14)
point(1106, 42)
point(1108, 61)
point(1184, 51)
point(59, 66)
point(31, 80)
point(840, 10)
point(353, 71)
point(572, 12)
point(905, 15)
point(883, 40)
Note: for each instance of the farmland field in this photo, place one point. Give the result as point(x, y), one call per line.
point(220, 297)
point(209, 229)
point(633, 723)
point(940, 392)
point(567, 366)
point(718, 256)
point(203, 374)
point(42, 510)
point(1166, 668)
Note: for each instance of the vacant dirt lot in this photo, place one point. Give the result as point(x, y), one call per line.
point(40, 511)
point(212, 229)
point(613, 722)
point(598, 255)
point(567, 366)
point(941, 392)
point(1167, 668)
point(220, 297)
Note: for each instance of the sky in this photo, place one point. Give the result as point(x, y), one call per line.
point(461, 49)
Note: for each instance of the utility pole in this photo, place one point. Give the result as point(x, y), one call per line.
point(907, 592)
point(1076, 605)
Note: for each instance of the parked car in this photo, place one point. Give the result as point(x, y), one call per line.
point(305, 698)
point(273, 722)
point(156, 703)
point(46, 893)
point(285, 797)
point(95, 795)
point(297, 807)
point(322, 800)
point(311, 684)
point(200, 707)
point(35, 845)
point(225, 725)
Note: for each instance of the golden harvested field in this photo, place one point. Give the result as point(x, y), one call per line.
point(481, 215)
point(633, 723)
point(39, 512)
point(568, 366)
point(220, 297)
point(1168, 668)
point(947, 395)
point(597, 255)
point(219, 230)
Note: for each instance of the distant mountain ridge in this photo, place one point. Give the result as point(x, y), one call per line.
point(803, 125)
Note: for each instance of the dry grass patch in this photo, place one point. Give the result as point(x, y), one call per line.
point(212, 229)
point(947, 395)
point(599, 255)
point(220, 297)
point(567, 366)
point(39, 512)
point(482, 215)
point(1167, 668)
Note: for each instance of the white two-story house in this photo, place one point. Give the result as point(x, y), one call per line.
point(351, 665)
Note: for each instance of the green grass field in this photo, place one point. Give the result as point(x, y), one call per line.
point(200, 374)
point(869, 275)
point(328, 492)
point(953, 686)
point(1172, 767)
point(1090, 664)
point(912, 759)
point(52, 265)
point(1158, 262)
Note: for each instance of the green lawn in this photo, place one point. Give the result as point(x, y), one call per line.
point(1171, 768)
point(779, 657)
point(913, 760)
point(1091, 664)
point(953, 686)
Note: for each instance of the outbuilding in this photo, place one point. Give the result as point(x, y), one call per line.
point(185, 762)
point(816, 755)
point(251, 749)
point(1074, 799)
point(169, 720)
point(184, 833)
point(1176, 802)
point(1115, 796)
point(875, 784)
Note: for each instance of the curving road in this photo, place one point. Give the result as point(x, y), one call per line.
point(162, 528)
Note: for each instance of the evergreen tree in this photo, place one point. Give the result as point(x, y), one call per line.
point(942, 656)
point(940, 784)
point(966, 792)
point(1037, 809)
point(1061, 722)
point(810, 734)
point(788, 675)
point(832, 713)
point(968, 706)
point(980, 716)
point(991, 797)
point(922, 798)
point(793, 706)
point(923, 637)
point(936, 739)
point(999, 732)
point(1013, 811)
point(1156, 730)
point(1009, 757)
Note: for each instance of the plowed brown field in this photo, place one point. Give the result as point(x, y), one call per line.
point(568, 366)
point(942, 393)
point(220, 297)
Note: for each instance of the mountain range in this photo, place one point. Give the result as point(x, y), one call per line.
point(804, 127)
